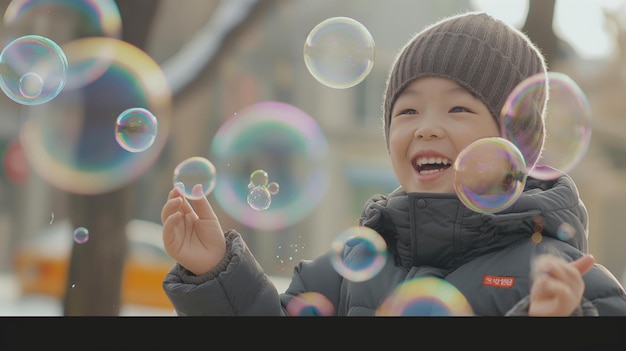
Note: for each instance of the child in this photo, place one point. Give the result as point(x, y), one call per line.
point(445, 90)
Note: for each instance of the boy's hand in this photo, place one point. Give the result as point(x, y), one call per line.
point(558, 285)
point(193, 238)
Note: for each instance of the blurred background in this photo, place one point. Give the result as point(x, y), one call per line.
point(196, 65)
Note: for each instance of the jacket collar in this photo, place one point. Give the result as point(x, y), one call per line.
point(438, 230)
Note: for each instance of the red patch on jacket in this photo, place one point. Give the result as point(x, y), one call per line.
point(498, 282)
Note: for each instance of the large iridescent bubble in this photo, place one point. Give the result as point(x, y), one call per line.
point(310, 303)
point(367, 256)
point(93, 17)
point(70, 141)
point(33, 70)
point(425, 296)
point(489, 174)
point(282, 140)
point(81, 18)
point(339, 52)
point(568, 123)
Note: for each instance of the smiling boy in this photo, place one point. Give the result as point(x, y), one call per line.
point(445, 90)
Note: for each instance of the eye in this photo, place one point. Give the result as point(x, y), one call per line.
point(458, 109)
point(408, 111)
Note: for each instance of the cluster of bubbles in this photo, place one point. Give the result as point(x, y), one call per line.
point(276, 136)
point(70, 147)
point(261, 190)
point(490, 174)
point(196, 177)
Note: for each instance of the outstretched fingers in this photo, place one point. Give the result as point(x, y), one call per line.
point(201, 204)
point(584, 263)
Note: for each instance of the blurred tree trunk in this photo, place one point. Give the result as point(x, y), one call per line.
point(538, 27)
point(94, 281)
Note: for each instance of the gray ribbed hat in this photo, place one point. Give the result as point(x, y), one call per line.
point(479, 52)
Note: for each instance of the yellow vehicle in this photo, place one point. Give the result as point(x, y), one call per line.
point(41, 264)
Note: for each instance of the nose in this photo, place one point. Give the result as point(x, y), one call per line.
point(428, 129)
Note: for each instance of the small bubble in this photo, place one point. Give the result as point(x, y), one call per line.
point(273, 188)
point(135, 129)
point(258, 178)
point(195, 171)
point(259, 198)
point(81, 235)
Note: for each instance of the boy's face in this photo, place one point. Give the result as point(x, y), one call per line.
point(431, 122)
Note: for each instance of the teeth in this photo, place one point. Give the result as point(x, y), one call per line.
point(431, 171)
point(432, 160)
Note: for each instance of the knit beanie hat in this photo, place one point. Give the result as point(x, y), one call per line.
point(482, 54)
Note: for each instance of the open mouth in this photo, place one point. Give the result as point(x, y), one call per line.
point(431, 165)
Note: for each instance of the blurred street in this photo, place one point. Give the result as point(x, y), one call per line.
point(13, 303)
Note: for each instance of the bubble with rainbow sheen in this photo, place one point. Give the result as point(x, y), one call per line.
point(194, 171)
point(258, 178)
point(259, 198)
point(425, 296)
point(286, 142)
point(310, 303)
point(97, 17)
point(489, 174)
point(358, 253)
point(273, 188)
point(565, 232)
point(136, 129)
point(339, 52)
point(33, 70)
point(94, 18)
point(81, 235)
point(568, 122)
point(261, 191)
point(70, 141)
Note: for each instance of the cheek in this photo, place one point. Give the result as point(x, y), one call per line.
point(398, 145)
point(398, 141)
point(400, 133)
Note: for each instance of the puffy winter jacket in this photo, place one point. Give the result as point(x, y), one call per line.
point(486, 256)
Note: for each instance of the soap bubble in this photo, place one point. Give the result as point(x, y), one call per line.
point(81, 235)
point(489, 174)
point(135, 129)
point(33, 70)
point(339, 52)
point(368, 257)
point(191, 172)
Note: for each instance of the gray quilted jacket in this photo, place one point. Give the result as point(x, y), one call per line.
point(487, 257)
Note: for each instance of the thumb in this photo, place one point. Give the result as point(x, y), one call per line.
point(584, 263)
point(201, 204)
